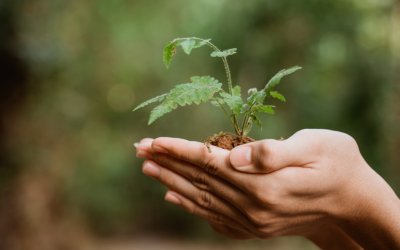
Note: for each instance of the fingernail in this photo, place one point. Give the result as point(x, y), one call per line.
point(241, 156)
point(172, 198)
point(136, 144)
point(151, 170)
point(159, 149)
point(143, 154)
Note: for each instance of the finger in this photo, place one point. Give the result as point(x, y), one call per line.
point(144, 154)
point(207, 214)
point(136, 144)
point(143, 149)
point(205, 181)
point(230, 232)
point(203, 198)
point(146, 139)
point(267, 156)
point(215, 163)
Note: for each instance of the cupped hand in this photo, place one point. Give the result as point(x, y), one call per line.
point(221, 224)
point(271, 188)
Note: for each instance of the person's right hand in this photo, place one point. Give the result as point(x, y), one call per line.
point(271, 188)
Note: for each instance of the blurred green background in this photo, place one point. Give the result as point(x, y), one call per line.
point(72, 71)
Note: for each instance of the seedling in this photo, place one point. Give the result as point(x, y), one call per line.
point(205, 88)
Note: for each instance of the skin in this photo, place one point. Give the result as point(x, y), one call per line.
point(315, 184)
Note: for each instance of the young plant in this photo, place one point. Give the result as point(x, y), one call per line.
point(205, 88)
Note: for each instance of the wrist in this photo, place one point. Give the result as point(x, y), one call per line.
point(370, 212)
point(330, 237)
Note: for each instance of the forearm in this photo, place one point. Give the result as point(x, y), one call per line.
point(373, 218)
point(378, 229)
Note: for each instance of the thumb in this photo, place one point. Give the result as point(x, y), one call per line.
point(269, 155)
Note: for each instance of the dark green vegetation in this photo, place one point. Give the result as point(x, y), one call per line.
point(203, 89)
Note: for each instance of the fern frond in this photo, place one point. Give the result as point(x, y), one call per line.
point(277, 78)
point(201, 89)
point(155, 99)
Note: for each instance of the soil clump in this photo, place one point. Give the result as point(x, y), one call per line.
point(225, 141)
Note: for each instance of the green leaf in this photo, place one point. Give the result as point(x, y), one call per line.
point(168, 53)
point(198, 44)
point(255, 119)
point(224, 53)
point(201, 89)
point(259, 97)
point(155, 99)
point(159, 111)
point(263, 108)
point(277, 78)
point(236, 91)
point(275, 94)
point(187, 45)
point(234, 102)
point(244, 109)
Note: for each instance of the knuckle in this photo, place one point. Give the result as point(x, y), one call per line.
point(346, 141)
point(172, 183)
point(268, 153)
point(266, 198)
point(305, 131)
point(262, 232)
point(255, 217)
point(260, 196)
point(270, 199)
point(204, 199)
point(349, 139)
point(265, 232)
point(181, 154)
point(208, 165)
point(217, 218)
point(200, 180)
point(193, 210)
point(160, 159)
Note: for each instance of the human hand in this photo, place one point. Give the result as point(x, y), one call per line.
point(313, 178)
point(143, 150)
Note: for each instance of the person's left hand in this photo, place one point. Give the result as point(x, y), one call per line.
point(212, 218)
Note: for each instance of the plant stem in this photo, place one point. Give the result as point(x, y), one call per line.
point(226, 113)
point(246, 120)
point(237, 125)
point(228, 75)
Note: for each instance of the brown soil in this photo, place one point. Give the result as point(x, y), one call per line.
point(225, 141)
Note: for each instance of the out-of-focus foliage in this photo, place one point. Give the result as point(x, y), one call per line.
point(92, 62)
